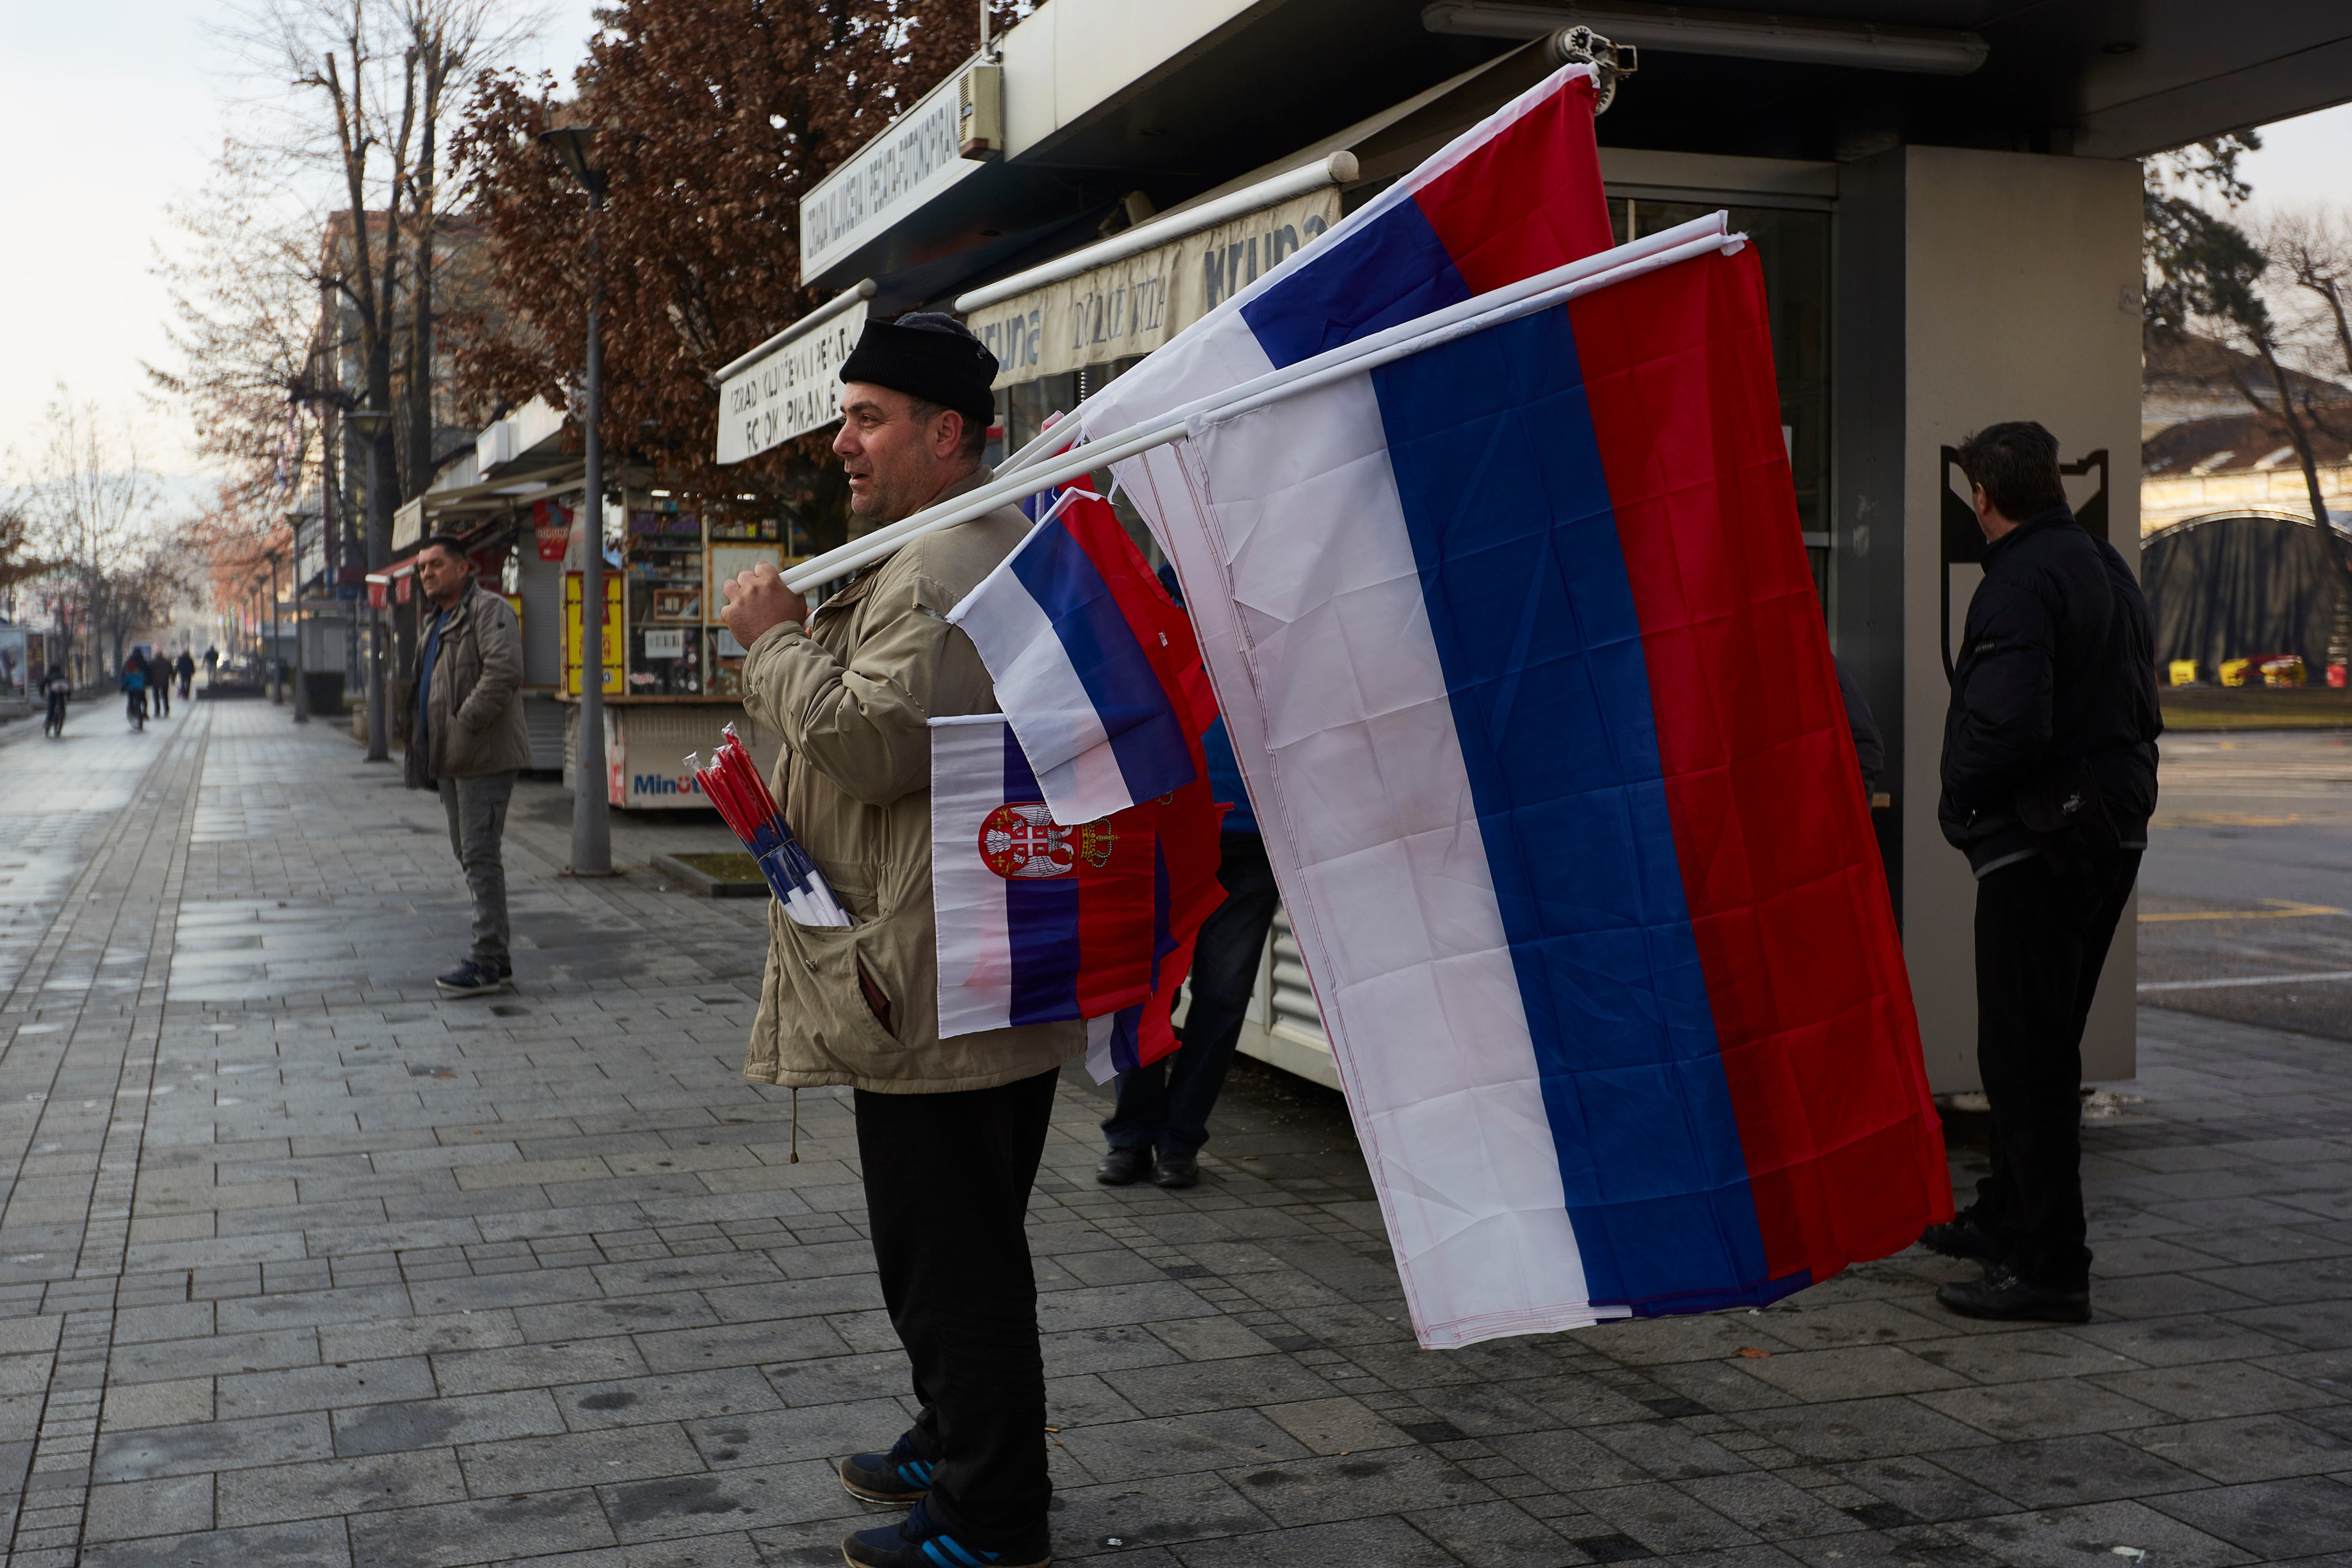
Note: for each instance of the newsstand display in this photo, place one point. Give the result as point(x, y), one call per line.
point(673, 675)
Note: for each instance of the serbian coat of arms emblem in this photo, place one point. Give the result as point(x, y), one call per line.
point(1021, 839)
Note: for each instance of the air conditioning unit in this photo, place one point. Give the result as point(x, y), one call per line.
point(494, 445)
point(980, 94)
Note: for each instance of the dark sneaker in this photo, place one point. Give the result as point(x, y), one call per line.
point(918, 1542)
point(898, 1477)
point(471, 979)
point(1124, 1167)
point(2002, 1296)
point(505, 969)
point(1960, 1238)
point(1178, 1171)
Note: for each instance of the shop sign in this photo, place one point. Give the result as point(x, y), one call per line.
point(1130, 306)
point(646, 782)
point(551, 526)
point(791, 392)
point(918, 156)
point(611, 641)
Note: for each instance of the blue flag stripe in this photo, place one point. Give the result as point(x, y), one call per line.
point(1391, 270)
point(1146, 737)
point(1041, 920)
point(1491, 443)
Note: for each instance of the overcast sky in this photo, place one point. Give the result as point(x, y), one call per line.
point(111, 113)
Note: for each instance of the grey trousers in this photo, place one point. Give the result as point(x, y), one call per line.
point(478, 824)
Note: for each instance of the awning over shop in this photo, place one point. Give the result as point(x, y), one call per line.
point(462, 509)
point(1132, 292)
point(1128, 295)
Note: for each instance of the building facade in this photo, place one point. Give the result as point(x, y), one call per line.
point(1948, 219)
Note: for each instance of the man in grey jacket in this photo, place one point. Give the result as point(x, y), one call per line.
point(467, 737)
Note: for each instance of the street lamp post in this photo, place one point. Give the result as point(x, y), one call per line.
point(276, 682)
point(592, 840)
point(301, 680)
point(370, 422)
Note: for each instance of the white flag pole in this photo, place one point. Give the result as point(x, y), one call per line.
point(1057, 437)
point(1472, 315)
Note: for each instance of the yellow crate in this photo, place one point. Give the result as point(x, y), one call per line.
point(2233, 670)
point(2184, 672)
point(2287, 671)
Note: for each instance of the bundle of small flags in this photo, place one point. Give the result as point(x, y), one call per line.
point(733, 784)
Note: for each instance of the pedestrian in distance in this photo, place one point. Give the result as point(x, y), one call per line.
point(1159, 1117)
point(187, 670)
point(950, 1133)
point(159, 685)
point(2049, 780)
point(212, 667)
point(134, 690)
point(56, 690)
point(467, 737)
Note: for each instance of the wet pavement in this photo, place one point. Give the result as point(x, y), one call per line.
point(300, 1264)
point(2246, 904)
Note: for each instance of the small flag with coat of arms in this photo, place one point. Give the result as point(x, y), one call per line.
point(1042, 922)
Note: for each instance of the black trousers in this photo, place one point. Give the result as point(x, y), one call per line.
point(1166, 1104)
point(2041, 940)
point(947, 1191)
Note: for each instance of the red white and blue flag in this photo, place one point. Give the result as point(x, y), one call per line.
point(1084, 648)
point(1039, 922)
point(1519, 649)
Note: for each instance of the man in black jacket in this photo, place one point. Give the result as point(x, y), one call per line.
point(2049, 777)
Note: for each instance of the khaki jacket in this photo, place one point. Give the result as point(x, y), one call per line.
point(852, 696)
point(474, 719)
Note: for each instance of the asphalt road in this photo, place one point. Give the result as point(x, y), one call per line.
point(2246, 893)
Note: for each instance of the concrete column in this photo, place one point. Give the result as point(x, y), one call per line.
point(1972, 287)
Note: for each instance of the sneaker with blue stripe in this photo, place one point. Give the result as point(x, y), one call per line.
point(919, 1541)
point(901, 1475)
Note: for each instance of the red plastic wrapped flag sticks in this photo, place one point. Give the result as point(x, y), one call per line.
point(733, 782)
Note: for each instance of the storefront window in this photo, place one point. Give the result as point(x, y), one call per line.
point(1795, 248)
point(1023, 407)
point(1021, 410)
point(665, 572)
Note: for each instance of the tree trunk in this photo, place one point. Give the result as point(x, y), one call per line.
point(2300, 437)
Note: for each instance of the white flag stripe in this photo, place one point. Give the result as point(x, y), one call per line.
point(974, 947)
point(1328, 674)
point(1058, 720)
point(1099, 1066)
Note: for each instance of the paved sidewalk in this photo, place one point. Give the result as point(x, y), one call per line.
point(301, 1265)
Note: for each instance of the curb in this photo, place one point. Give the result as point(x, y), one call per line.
point(702, 883)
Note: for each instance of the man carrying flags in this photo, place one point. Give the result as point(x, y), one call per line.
point(949, 1131)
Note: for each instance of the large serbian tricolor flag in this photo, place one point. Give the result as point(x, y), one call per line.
point(1520, 652)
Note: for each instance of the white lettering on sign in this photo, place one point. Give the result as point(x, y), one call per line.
point(1132, 306)
point(915, 159)
point(789, 393)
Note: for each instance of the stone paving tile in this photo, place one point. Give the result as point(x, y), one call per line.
point(2272, 1520)
point(2091, 1532)
point(393, 1279)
